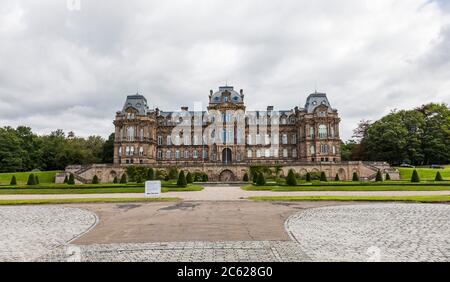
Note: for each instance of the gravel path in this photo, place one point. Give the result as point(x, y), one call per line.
point(227, 194)
point(28, 232)
point(377, 232)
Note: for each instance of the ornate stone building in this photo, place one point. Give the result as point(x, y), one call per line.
point(224, 140)
point(226, 133)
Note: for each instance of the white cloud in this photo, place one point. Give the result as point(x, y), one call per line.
point(72, 70)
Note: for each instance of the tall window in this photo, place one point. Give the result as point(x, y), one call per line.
point(294, 153)
point(141, 151)
point(127, 151)
point(141, 134)
point(312, 150)
point(285, 153)
point(249, 154)
point(169, 154)
point(132, 150)
point(205, 154)
point(258, 153)
point(275, 153)
point(130, 133)
point(195, 154)
point(276, 139)
point(267, 139)
point(294, 139)
point(311, 131)
point(159, 140)
point(323, 131)
point(324, 148)
point(284, 139)
point(120, 151)
point(159, 154)
point(334, 150)
point(249, 140)
point(267, 153)
point(177, 154)
point(169, 140)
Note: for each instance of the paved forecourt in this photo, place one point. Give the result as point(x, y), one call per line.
point(226, 194)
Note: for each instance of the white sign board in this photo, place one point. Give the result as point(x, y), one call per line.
point(152, 188)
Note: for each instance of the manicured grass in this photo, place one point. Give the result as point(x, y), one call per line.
point(90, 189)
point(375, 187)
point(22, 177)
point(424, 173)
point(417, 199)
point(87, 200)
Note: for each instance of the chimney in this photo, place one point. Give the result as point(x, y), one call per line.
point(241, 91)
point(185, 109)
point(269, 108)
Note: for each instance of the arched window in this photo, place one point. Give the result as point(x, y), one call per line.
point(323, 132)
point(141, 151)
point(132, 150)
point(249, 154)
point(195, 154)
point(120, 151)
point(130, 133)
point(127, 151)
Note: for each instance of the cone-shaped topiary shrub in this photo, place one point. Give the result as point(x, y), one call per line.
point(379, 177)
point(36, 180)
point(355, 176)
point(438, 177)
point(415, 176)
point(66, 179)
point(71, 180)
point(123, 179)
point(95, 179)
point(290, 179)
point(181, 182)
point(115, 181)
point(387, 177)
point(245, 178)
point(31, 180)
point(337, 177)
point(189, 178)
point(308, 177)
point(150, 174)
point(323, 177)
point(260, 180)
point(13, 180)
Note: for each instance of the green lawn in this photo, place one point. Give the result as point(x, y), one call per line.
point(424, 173)
point(87, 200)
point(417, 199)
point(22, 177)
point(89, 189)
point(368, 186)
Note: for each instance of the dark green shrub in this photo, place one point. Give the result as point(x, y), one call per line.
point(290, 179)
point(323, 177)
point(138, 178)
point(355, 176)
point(71, 180)
point(95, 179)
point(438, 177)
point(205, 178)
point(337, 177)
point(379, 177)
point(31, 180)
point(123, 179)
point(387, 177)
point(36, 180)
point(173, 173)
point(150, 174)
point(260, 180)
point(115, 181)
point(181, 182)
point(245, 178)
point(308, 177)
point(13, 180)
point(66, 179)
point(415, 176)
point(189, 178)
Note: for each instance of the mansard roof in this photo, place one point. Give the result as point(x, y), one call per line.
point(137, 102)
point(235, 97)
point(316, 99)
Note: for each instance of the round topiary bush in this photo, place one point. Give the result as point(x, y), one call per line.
point(290, 179)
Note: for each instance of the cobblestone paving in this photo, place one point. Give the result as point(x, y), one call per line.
point(238, 251)
point(385, 232)
point(27, 232)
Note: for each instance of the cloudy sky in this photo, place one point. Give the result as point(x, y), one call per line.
point(71, 69)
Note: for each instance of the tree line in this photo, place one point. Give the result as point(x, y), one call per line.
point(420, 136)
point(23, 150)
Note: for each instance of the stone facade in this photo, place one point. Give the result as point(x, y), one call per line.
point(226, 139)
